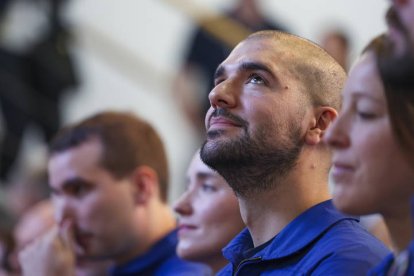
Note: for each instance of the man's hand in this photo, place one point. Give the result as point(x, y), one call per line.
point(50, 255)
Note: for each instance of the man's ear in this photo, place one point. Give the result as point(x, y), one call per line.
point(145, 182)
point(323, 117)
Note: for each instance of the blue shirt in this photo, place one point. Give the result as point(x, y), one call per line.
point(161, 259)
point(384, 267)
point(320, 241)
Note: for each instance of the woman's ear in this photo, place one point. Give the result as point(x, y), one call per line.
point(145, 184)
point(324, 115)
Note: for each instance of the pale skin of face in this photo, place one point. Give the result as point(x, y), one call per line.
point(88, 196)
point(254, 84)
point(209, 216)
point(370, 171)
point(247, 84)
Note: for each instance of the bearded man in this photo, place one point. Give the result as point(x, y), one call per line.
point(274, 97)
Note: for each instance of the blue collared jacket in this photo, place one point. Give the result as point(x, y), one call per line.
point(383, 268)
point(161, 259)
point(320, 241)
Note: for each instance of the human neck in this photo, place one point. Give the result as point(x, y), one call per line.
point(400, 228)
point(216, 263)
point(266, 214)
point(159, 221)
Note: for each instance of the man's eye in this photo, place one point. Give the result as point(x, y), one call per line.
point(256, 79)
point(218, 81)
point(78, 190)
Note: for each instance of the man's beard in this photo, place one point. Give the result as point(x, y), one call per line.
point(253, 164)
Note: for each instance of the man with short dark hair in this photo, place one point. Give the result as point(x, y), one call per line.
point(108, 176)
point(273, 99)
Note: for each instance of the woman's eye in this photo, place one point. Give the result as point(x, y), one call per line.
point(366, 115)
point(208, 188)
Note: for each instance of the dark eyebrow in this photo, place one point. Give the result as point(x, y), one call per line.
point(245, 66)
point(72, 183)
point(359, 95)
point(199, 175)
point(219, 72)
point(250, 66)
point(203, 175)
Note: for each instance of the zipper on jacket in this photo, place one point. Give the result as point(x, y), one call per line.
point(245, 261)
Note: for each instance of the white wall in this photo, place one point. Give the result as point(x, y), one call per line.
point(129, 50)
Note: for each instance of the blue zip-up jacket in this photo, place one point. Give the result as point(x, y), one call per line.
point(320, 241)
point(383, 268)
point(161, 260)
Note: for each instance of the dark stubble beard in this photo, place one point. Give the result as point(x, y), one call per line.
point(253, 164)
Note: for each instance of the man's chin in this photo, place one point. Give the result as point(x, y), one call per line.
point(213, 134)
point(87, 258)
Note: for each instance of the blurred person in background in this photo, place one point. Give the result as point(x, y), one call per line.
point(375, 224)
point(210, 44)
point(209, 216)
point(7, 244)
point(36, 222)
point(36, 68)
point(369, 132)
point(337, 44)
point(27, 189)
point(109, 181)
point(404, 10)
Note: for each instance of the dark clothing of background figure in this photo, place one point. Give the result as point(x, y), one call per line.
point(31, 85)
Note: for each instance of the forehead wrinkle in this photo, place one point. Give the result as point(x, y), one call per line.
point(253, 66)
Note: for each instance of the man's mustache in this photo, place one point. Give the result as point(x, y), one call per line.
point(224, 113)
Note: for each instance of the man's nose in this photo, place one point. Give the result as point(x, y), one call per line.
point(223, 95)
point(64, 210)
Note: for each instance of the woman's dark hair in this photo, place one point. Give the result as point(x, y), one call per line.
point(397, 75)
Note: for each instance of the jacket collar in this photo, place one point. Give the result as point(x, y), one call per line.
point(299, 233)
